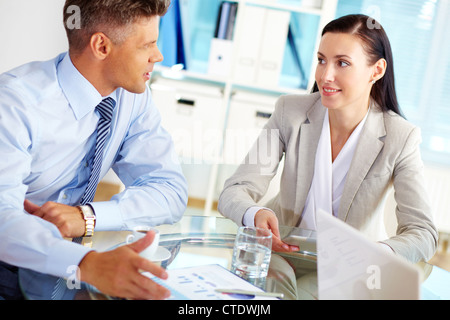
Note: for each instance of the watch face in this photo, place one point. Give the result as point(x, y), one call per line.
point(87, 212)
point(90, 215)
point(89, 218)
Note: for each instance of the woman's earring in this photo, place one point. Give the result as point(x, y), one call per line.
point(373, 81)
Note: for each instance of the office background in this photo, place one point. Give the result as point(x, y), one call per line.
point(215, 97)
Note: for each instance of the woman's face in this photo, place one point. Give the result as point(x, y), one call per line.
point(343, 75)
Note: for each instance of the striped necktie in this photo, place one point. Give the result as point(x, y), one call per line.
point(105, 109)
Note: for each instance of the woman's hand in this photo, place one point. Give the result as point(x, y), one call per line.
point(266, 219)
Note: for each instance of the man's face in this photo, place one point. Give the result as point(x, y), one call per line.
point(130, 63)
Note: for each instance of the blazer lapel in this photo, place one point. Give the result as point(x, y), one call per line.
point(369, 146)
point(310, 131)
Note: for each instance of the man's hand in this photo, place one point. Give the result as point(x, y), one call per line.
point(117, 272)
point(266, 219)
point(67, 219)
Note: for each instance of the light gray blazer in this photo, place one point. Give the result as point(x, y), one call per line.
point(387, 155)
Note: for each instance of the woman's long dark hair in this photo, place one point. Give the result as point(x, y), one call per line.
point(377, 46)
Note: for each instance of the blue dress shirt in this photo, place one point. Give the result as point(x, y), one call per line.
point(47, 140)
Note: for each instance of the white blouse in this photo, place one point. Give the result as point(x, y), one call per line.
point(329, 177)
point(328, 181)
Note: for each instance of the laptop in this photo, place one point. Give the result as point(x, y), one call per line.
point(351, 267)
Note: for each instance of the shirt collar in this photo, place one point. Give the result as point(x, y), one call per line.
point(80, 93)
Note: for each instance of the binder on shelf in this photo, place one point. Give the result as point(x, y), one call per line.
point(249, 44)
point(261, 46)
point(220, 56)
point(226, 20)
point(231, 21)
point(222, 45)
point(273, 45)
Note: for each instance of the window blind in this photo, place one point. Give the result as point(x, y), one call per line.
point(419, 33)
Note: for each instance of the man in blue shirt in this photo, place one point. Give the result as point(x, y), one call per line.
point(48, 123)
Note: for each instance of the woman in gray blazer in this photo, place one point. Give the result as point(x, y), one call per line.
point(343, 147)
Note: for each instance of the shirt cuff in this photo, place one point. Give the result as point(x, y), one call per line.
point(249, 216)
point(386, 247)
point(64, 258)
point(107, 216)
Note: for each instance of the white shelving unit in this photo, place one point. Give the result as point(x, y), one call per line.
point(202, 107)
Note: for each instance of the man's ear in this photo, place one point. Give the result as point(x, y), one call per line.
point(379, 69)
point(100, 45)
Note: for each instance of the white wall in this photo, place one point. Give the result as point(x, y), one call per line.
point(30, 30)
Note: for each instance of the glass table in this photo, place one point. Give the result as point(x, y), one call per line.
point(193, 241)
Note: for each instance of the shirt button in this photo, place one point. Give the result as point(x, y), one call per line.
point(64, 196)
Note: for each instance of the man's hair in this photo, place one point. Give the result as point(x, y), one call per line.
point(112, 17)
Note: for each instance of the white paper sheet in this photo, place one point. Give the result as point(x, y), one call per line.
point(200, 283)
point(352, 267)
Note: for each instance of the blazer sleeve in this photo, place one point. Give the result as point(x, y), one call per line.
point(252, 178)
point(417, 236)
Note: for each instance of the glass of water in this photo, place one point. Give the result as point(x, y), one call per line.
point(251, 254)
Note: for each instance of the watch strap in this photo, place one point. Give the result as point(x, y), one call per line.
point(89, 218)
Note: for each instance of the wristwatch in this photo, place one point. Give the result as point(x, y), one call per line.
point(89, 218)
